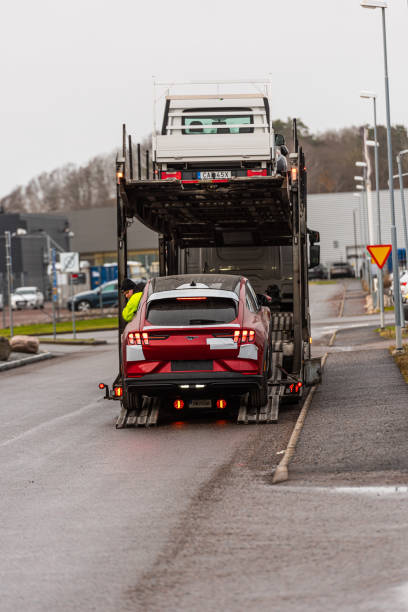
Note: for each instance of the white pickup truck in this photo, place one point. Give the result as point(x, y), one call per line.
point(217, 137)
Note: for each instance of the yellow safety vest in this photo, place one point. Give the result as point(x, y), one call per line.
point(131, 307)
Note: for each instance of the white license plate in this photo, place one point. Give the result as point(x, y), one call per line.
point(200, 403)
point(215, 174)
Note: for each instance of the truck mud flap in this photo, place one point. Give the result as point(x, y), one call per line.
point(145, 416)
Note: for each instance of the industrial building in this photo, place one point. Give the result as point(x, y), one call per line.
point(32, 236)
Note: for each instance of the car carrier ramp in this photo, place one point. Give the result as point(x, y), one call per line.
point(238, 211)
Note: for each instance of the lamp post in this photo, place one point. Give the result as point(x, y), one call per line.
point(358, 195)
point(374, 4)
point(367, 237)
point(372, 96)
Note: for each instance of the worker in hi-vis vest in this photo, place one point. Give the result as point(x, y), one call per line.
point(133, 293)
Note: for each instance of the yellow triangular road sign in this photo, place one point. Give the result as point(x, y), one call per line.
point(379, 252)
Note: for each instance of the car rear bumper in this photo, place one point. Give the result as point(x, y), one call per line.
point(214, 382)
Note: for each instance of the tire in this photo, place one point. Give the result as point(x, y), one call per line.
point(259, 397)
point(134, 401)
point(83, 306)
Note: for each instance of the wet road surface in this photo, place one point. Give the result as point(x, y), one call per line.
point(184, 517)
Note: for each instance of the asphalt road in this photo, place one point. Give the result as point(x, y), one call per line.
point(184, 517)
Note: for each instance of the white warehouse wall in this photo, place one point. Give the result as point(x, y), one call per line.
point(332, 215)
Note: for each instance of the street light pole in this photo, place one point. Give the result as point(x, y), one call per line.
point(9, 280)
point(404, 216)
point(373, 97)
point(373, 4)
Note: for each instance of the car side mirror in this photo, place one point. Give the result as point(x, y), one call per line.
point(314, 255)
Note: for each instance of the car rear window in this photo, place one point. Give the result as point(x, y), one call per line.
point(190, 312)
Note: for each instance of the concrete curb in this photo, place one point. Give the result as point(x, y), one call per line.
point(73, 342)
point(281, 473)
point(16, 363)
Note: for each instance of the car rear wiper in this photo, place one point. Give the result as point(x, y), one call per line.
point(202, 321)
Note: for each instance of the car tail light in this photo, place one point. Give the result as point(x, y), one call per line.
point(294, 174)
point(178, 404)
point(134, 338)
point(262, 172)
point(118, 391)
point(138, 338)
point(242, 336)
point(403, 284)
point(294, 388)
point(191, 299)
point(221, 404)
point(173, 175)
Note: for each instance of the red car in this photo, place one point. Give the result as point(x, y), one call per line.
point(198, 340)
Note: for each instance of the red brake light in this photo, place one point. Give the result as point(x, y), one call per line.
point(221, 403)
point(138, 338)
point(173, 175)
point(178, 404)
point(262, 172)
point(196, 299)
point(118, 391)
point(403, 284)
point(134, 338)
point(244, 335)
point(101, 385)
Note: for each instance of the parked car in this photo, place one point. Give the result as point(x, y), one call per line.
point(107, 293)
point(319, 271)
point(341, 269)
point(404, 286)
point(198, 338)
point(27, 297)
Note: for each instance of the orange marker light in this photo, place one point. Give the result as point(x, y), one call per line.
point(178, 404)
point(101, 385)
point(294, 174)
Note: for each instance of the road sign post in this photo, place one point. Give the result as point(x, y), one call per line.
point(70, 265)
point(380, 254)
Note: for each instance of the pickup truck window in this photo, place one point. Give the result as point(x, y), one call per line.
point(206, 123)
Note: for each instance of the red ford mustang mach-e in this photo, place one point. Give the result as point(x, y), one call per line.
point(197, 339)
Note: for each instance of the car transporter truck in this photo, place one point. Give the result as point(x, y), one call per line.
point(226, 197)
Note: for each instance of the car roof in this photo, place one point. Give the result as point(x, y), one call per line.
point(224, 282)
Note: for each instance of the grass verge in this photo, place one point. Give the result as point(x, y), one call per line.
point(322, 282)
point(38, 329)
point(389, 332)
point(402, 361)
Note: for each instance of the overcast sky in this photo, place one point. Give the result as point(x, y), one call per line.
point(73, 71)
